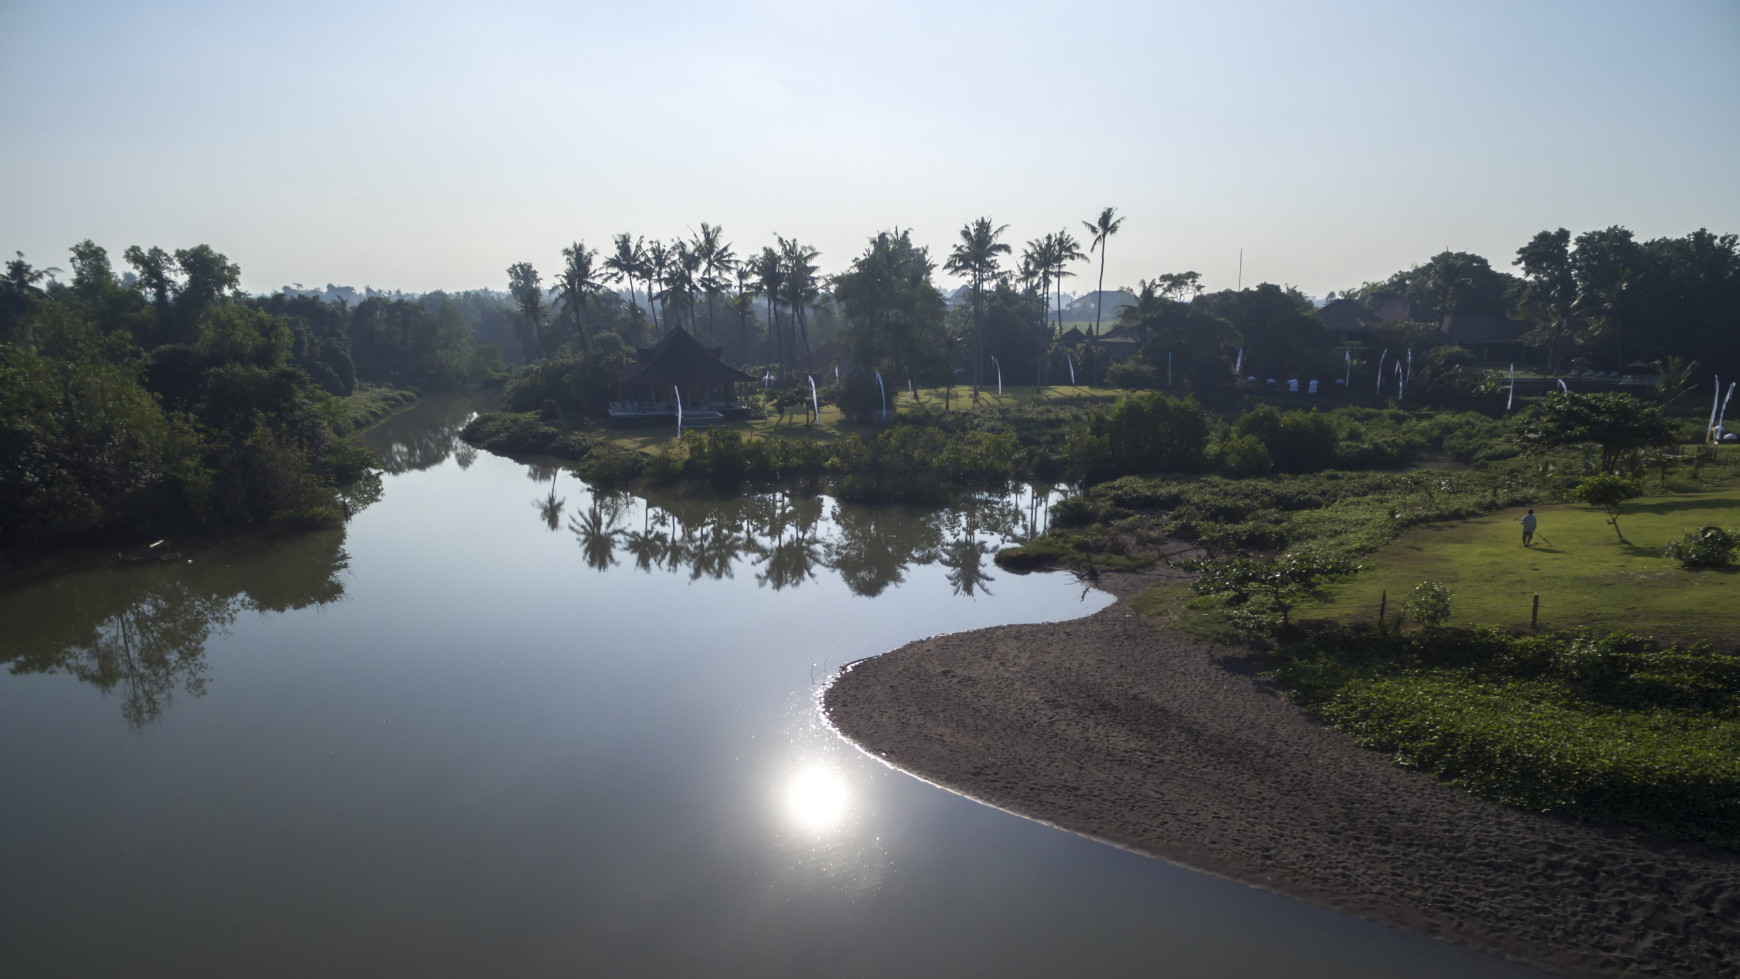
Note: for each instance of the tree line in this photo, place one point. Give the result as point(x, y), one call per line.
point(164, 398)
point(1602, 299)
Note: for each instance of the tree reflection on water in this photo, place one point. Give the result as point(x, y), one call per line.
point(141, 632)
point(792, 538)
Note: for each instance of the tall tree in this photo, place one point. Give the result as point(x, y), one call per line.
point(975, 256)
point(19, 293)
point(1449, 277)
point(580, 279)
point(1036, 274)
point(1551, 295)
point(1102, 230)
point(625, 263)
point(658, 260)
point(716, 259)
point(523, 283)
point(1606, 263)
point(770, 276)
point(801, 285)
point(92, 272)
point(156, 276)
point(681, 271)
point(743, 303)
point(894, 311)
point(1064, 250)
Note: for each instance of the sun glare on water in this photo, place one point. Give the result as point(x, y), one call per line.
point(816, 798)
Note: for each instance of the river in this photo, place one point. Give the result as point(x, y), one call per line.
point(502, 724)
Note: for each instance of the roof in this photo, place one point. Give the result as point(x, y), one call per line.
point(1391, 308)
point(1347, 316)
point(1072, 336)
point(679, 359)
point(1483, 329)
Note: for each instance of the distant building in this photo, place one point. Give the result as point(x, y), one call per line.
point(679, 370)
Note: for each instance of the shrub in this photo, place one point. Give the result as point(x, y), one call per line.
point(1141, 434)
point(1430, 603)
point(1132, 375)
point(1711, 547)
point(1242, 455)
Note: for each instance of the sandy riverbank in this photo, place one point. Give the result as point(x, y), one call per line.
point(1121, 730)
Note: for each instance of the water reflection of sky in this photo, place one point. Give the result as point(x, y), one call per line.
point(516, 747)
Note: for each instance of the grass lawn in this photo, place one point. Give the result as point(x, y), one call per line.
point(1581, 571)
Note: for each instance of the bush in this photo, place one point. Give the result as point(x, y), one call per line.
point(1711, 547)
point(1241, 456)
point(1145, 433)
point(1132, 375)
point(1605, 727)
point(1430, 603)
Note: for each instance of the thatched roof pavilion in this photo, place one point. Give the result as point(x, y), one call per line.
point(678, 363)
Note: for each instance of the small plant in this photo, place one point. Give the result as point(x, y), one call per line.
point(1252, 592)
point(1608, 492)
point(1711, 547)
point(1430, 603)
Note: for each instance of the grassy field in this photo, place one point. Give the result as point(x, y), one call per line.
point(1583, 574)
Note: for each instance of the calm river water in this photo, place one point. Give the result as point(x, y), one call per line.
point(503, 725)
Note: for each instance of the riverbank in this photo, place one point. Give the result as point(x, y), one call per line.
point(1122, 730)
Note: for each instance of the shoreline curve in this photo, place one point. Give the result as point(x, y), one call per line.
point(1121, 730)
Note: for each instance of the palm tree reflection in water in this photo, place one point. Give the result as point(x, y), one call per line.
point(790, 539)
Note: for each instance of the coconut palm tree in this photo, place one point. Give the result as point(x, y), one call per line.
point(715, 264)
point(975, 256)
point(1064, 250)
point(743, 303)
point(1036, 273)
point(625, 263)
point(579, 279)
point(1102, 230)
point(801, 285)
point(523, 283)
point(658, 259)
point(770, 275)
point(681, 271)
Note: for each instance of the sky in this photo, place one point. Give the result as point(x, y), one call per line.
point(429, 145)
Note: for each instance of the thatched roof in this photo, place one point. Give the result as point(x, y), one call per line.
point(1347, 317)
point(680, 359)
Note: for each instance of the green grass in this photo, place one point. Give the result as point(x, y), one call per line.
point(369, 406)
point(1584, 575)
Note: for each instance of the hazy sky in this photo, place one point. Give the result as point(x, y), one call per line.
point(429, 145)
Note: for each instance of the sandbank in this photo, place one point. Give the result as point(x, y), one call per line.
point(1122, 730)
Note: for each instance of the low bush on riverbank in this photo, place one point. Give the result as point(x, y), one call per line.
point(528, 433)
point(902, 464)
point(368, 405)
point(1598, 727)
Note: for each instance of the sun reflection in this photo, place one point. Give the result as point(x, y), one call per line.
point(816, 798)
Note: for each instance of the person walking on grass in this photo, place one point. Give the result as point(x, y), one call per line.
point(1528, 522)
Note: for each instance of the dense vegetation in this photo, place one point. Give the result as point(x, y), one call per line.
point(1606, 727)
point(174, 402)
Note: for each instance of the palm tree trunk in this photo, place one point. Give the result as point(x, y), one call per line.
point(1100, 295)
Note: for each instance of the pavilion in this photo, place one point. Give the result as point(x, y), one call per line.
point(679, 367)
